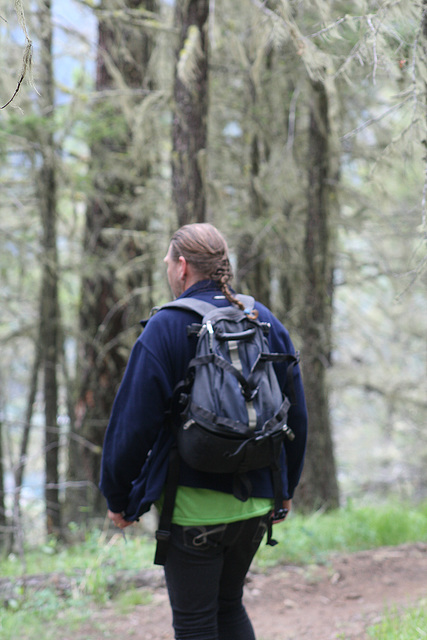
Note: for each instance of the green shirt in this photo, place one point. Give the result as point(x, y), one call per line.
point(195, 506)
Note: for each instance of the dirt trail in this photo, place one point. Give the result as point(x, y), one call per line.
point(339, 600)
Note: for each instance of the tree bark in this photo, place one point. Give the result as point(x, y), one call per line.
point(254, 267)
point(23, 450)
point(319, 485)
point(49, 316)
point(189, 128)
point(115, 239)
point(253, 252)
point(3, 519)
point(424, 28)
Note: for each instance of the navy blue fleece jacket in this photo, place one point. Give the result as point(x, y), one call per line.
point(138, 441)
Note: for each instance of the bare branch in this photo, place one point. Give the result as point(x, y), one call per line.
point(27, 59)
point(331, 26)
point(374, 48)
point(383, 115)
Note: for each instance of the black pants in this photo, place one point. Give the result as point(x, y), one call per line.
point(205, 571)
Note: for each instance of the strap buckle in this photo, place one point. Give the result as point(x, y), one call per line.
point(279, 514)
point(162, 535)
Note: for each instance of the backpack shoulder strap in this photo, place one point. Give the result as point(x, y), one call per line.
point(192, 304)
point(203, 308)
point(198, 306)
point(163, 532)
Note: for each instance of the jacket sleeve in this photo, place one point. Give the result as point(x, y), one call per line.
point(280, 341)
point(137, 416)
point(295, 449)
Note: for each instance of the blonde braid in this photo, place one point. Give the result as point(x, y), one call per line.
point(223, 283)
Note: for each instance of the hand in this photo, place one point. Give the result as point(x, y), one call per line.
point(118, 520)
point(286, 504)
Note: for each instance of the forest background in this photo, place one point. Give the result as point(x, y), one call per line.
point(299, 129)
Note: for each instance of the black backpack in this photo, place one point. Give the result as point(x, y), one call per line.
point(232, 411)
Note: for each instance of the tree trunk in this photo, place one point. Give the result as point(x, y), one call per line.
point(3, 519)
point(319, 484)
point(253, 251)
point(189, 128)
point(49, 317)
point(424, 28)
point(254, 267)
point(115, 239)
point(23, 451)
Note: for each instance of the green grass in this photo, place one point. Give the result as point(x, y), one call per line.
point(90, 567)
point(97, 549)
point(409, 625)
point(39, 614)
point(308, 539)
point(127, 600)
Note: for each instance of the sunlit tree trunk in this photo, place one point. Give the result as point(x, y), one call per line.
point(319, 485)
point(117, 282)
point(189, 128)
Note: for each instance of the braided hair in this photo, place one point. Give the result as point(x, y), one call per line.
point(205, 248)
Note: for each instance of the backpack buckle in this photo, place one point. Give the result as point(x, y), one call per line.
point(288, 432)
point(194, 329)
point(250, 394)
point(211, 332)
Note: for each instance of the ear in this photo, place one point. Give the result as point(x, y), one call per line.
point(183, 267)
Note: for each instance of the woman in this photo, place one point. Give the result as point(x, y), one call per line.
point(214, 535)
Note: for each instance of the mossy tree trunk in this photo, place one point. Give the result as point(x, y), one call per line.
point(49, 314)
point(254, 250)
point(118, 268)
point(319, 485)
point(189, 126)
